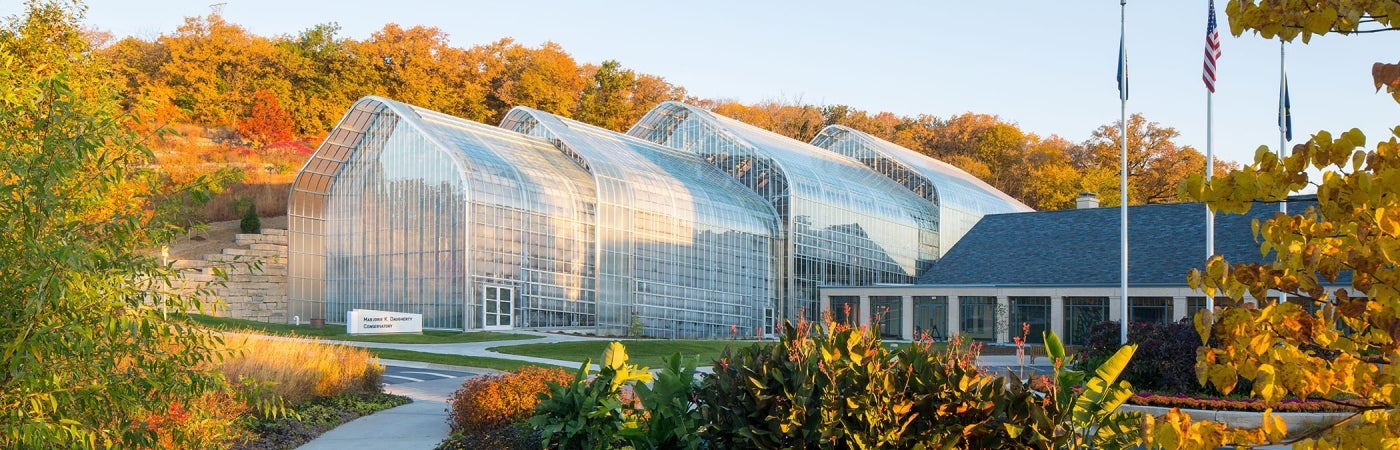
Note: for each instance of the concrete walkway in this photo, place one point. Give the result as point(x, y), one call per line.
point(423, 423)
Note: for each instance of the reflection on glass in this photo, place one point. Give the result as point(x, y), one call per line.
point(1150, 309)
point(846, 309)
point(930, 317)
point(844, 224)
point(888, 312)
point(961, 198)
point(978, 315)
point(1030, 311)
point(1081, 313)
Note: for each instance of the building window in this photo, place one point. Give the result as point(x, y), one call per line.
point(1308, 305)
point(888, 312)
point(1196, 304)
point(930, 317)
point(1033, 311)
point(979, 316)
point(1081, 313)
point(845, 309)
point(1150, 309)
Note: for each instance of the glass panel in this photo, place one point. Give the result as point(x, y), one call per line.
point(847, 227)
point(1081, 313)
point(1150, 309)
point(845, 309)
point(888, 312)
point(1196, 304)
point(1031, 313)
point(978, 314)
point(930, 317)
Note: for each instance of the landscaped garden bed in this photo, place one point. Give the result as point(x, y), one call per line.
point(308, 420)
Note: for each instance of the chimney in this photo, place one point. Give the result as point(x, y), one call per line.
point(1087, 200)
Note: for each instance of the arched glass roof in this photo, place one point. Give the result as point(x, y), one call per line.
point(962, 199)
point(845, 224)
point(403, 205)
point(708, 236)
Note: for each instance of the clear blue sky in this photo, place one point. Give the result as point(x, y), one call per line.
point(1047, 66)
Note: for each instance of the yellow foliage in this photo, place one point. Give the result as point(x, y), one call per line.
point(1175, 430)
point(300, 370)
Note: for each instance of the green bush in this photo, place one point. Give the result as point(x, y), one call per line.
point(841, 387)
point(837, 387)
point(590, 414)
point(250, 223)
point(669, 419)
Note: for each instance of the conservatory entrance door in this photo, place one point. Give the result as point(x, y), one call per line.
point(497, 303)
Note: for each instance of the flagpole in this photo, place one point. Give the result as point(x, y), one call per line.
point(1213, 49)
point(1283, 123)
point(1123, 182)
point(1210, 171)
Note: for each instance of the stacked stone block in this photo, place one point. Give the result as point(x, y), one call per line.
point(256, 288)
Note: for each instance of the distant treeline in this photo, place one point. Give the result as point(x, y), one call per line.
point(212, 73)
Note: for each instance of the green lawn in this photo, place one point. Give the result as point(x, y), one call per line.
point(337, 332)
point(643, 352)
point(455, 360)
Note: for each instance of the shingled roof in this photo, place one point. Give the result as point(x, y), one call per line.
point(1080, 247)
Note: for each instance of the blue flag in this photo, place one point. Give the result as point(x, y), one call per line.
point(1285, 118)
point(1122, 69)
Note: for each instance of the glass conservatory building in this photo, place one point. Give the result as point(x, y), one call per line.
point(690, 225)
point(960, 198)
point(842, 223)
point(688, 250)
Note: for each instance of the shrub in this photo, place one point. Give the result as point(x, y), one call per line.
point(1165, 360)
point(212, 418)
point(297, 371)
point(590, 414)
point(668, 415)
point(250, 224)
point(841, 387)
point(838, 387)
point(492, 402)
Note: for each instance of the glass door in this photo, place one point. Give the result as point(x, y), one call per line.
point(497, 304)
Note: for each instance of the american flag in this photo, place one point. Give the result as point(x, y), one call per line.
point(1212, 50)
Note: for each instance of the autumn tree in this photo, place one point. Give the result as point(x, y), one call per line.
point(1156, 164)
point(1336, 261)
point(267, 123)
point(546, 78)
point(615, 98)
point(85, 353)
point(322, 72)
point(214, 67)
point(1051, 181)
point(412, 65)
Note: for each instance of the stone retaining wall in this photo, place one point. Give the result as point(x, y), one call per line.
point(1297, 422)
point(256, 288)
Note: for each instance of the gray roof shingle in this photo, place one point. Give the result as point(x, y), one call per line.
point(1080, 247)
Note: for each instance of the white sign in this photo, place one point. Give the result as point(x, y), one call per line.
point(368, 321)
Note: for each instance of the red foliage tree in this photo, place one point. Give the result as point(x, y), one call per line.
point(267, 123)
